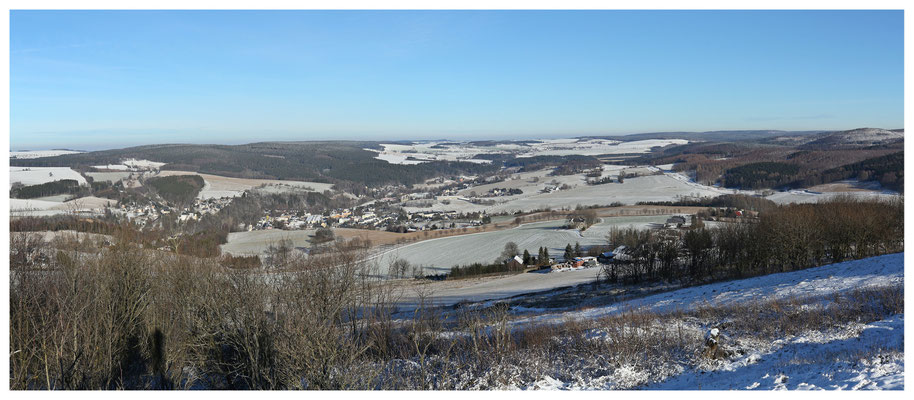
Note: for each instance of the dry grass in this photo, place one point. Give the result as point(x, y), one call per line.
point(123, 318)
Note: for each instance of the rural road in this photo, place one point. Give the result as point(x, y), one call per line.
point(480, 289)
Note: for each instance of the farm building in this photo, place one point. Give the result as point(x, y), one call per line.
point(515, 263)
point(675, 221)
point(606, 257)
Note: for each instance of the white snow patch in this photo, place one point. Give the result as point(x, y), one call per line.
point(115, 167)
point(38, 175)
point(870, 356)
point(22, 155)
point(808, 196)
point(886, 270)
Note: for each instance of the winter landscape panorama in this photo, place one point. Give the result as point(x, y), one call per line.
point(456, 200)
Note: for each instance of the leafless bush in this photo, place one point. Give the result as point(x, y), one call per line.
point(100, 317)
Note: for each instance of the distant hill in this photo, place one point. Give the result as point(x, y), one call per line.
point(318, 161)
point(710, 136)
point(861, 137)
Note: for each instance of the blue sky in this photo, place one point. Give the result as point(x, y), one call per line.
point(103, 79)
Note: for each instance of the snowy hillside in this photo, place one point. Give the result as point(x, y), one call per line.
point(812, 361)
point(858, 137)
point(849, 353)
point(29, 154)
point(879, 271)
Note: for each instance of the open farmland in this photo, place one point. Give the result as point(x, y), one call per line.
point(449, 292)
point(108, 176)
point(38, 175)
point(419, 152)
point(809, 196)
point(847, 186)
point(633, 190)
point(24, 205)
point(256, 242)
point(49, 236)
point(594, 147)
point(221, 186)
point(112, 167)
point(439, 255)
point(649, 188)
point(41, 208)
point(529, 182)
point(29, 154)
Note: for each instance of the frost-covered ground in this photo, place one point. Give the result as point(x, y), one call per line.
point(40, 153)
point(849, 356)
point(666, 187)
point(113, 167)
point(853, 357)
point(256, 242)
point(131, 164)
point(491, 288)
point(809, 196)
point(439, 255)
point(859, 356)
point(454, 151)
point(108, 176)
point(633, 190)
point(215, 186)
point(593, 147)
point(884, 270)
point(43, 207)
point(38, 175)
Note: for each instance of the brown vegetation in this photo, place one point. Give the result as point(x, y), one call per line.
point(121, 317)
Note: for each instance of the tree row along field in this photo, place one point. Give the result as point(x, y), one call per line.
point(256, 242)
point(100, 316)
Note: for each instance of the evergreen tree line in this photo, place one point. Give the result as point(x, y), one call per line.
point(63, 186)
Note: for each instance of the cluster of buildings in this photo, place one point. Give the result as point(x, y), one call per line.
point(497, 192)
point(145, 214)
point(343, 218)
point(363, 217)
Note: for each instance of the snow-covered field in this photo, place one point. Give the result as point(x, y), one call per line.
point(668, 186)
point(852, 356)
point(23, 205)
point(884, 270)
point(808, 196)
point(454, 151)
point(439, 255)
point(131, 164)
point(113, 167)
point(142, 164)
point(108, 176)
point(643, 188)
point(40, 153)
point(593, 147)
point(256, 242)
point(424, 152)
point(38, 175)
point(42, 208)
point(491, 288)
point(665, 187)
point(221, 186)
